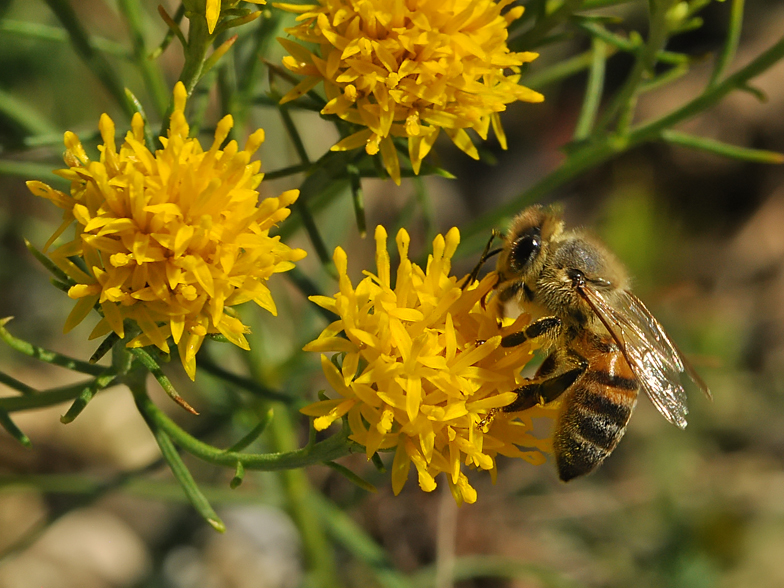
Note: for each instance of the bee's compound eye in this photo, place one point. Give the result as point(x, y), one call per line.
point(525, 249)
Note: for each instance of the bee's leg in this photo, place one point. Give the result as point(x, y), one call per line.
point(548, 327)
point(552, 380)
point(486, 254)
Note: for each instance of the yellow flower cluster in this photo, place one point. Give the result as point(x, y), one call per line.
point(170, 240)
point(418, 365)
point(408, 69)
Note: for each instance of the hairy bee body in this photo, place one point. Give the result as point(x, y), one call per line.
point(604, 345)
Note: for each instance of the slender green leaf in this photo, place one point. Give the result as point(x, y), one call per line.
point(23, 114)
point(150, 70)
point(730, 43)
point(152, 366)
point(174, 29)
point(239, 476)
point(137, 106)
point(53, 396)
point(723, 149)
point(287, 171)
point(31, 170)
point(47, 263)
point(104, 347)
point(85, 396)
point(253, 434)
point(252, 386)
point(351, 476)
point(593, 91)
point(180, 471)
point(15, 384)
point(13, 430)
point(34, 30)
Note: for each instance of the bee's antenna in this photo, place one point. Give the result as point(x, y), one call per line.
point(486, 254)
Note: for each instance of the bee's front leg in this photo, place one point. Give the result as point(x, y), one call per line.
point(547, 328)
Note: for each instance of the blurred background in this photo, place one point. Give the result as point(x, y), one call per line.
point(90, 506)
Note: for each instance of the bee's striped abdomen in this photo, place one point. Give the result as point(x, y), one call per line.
point(594, 415)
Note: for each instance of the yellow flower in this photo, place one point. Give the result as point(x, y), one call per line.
point(170, 240)
point(409, 69)
point(417, 366)
point(213, 10)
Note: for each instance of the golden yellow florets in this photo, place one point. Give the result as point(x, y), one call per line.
point(418, 365)
point(170, 240)
point(408, 69)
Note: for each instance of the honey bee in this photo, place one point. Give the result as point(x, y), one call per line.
point(604, 344)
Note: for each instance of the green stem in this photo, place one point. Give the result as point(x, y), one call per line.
point(152, 366)
point(301, 205)
point(304, 508)
point(294, 135)
point(48, 356)
point(251, 75)
point(254, 434)
point(95, 61)
point(169, 452)
point(650, 130)
point(331, 448)
point(627, 45)
point(199, 41)
point(357, 197)
point(54, 396)
point(31, 169)
point(646, 59)
point(153, 77)
point(359, 544)
point(287, 171)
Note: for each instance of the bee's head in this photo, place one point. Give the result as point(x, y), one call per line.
point(578, 261)
point(527, 243)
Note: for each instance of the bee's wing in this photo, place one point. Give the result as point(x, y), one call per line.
point(654, 358)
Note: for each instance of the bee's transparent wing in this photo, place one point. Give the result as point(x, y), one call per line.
point(654, 358)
